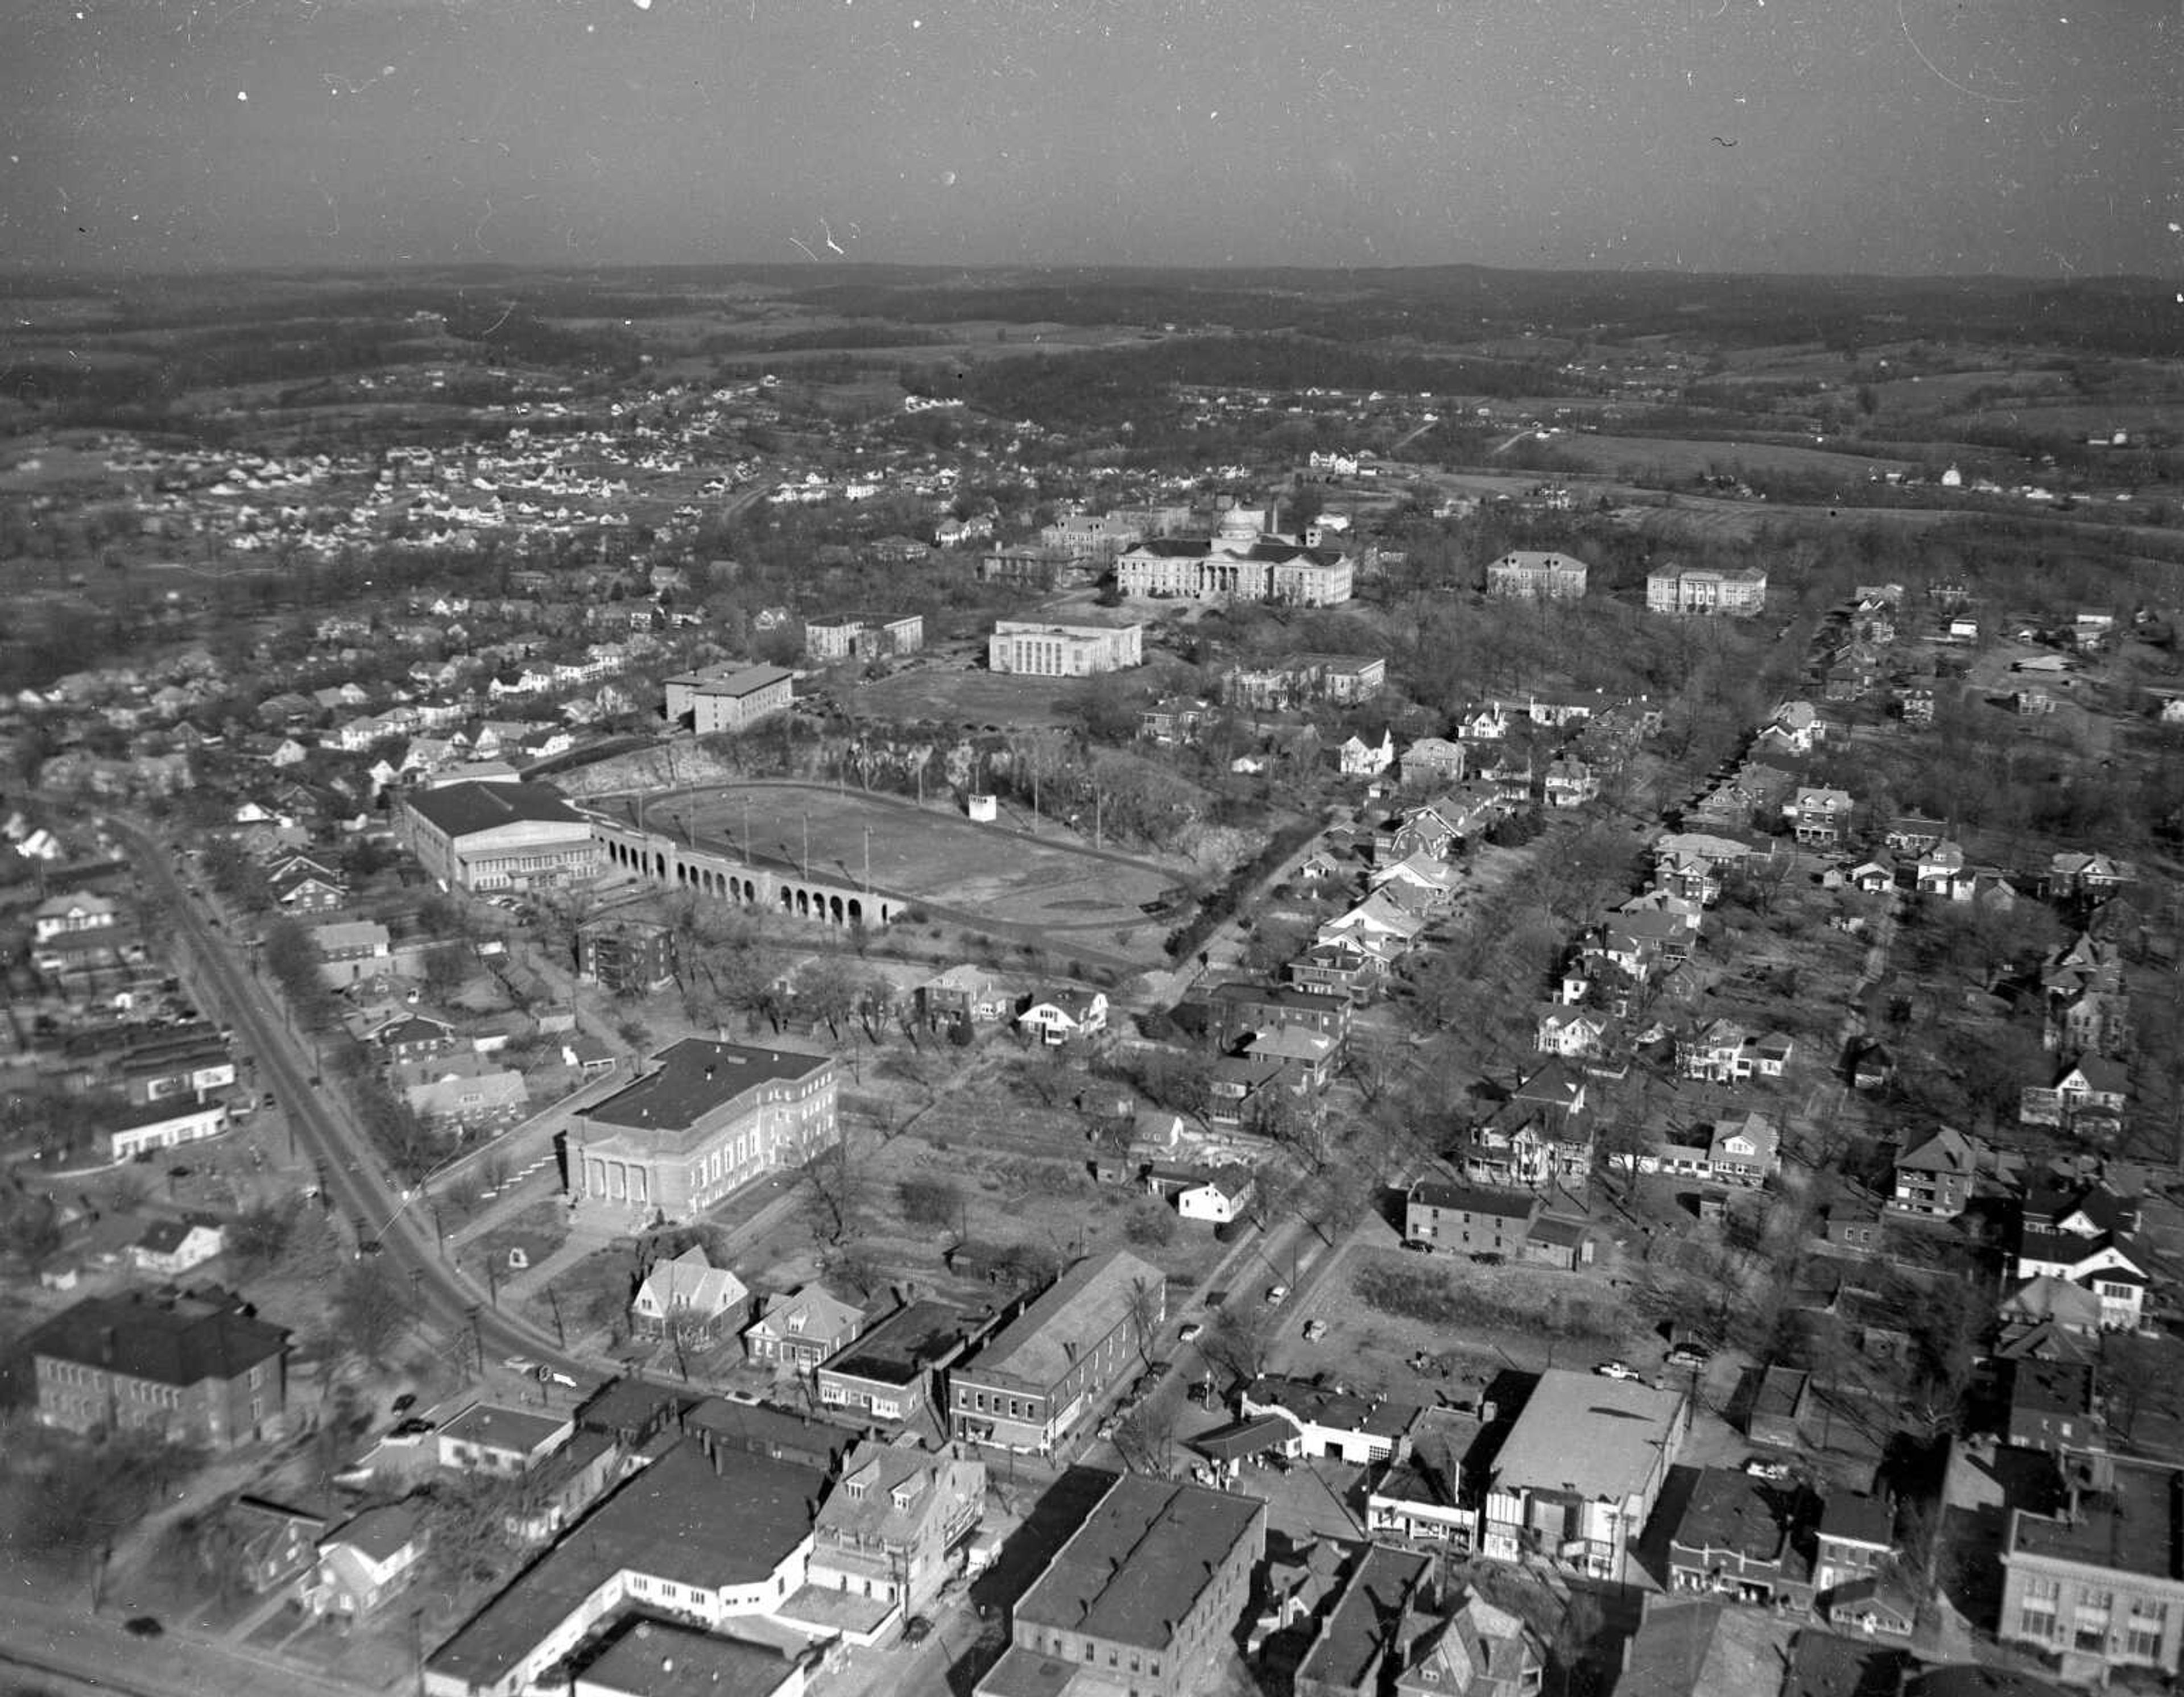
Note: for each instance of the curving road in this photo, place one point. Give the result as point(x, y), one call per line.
point(357, 1185)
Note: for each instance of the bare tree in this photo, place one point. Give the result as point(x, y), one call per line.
point(831, 1186)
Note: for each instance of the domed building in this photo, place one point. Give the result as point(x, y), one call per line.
point(1244, 559)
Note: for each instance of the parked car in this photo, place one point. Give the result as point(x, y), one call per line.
point(521, 1364)
point(1616, 1369)
point(1689, 1355)
point(1277, 1294)
point(413, 1428)
point(1314, 1330)
point(1777, 1472)
point(1190, 1332)
point(916, 1630)
point(404, 1403)
point(142, 1626)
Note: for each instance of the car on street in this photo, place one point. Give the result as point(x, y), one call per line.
point(404, 1403)
point(1689, 1355)
point(370, 1246)
point(1616, 1369)
point(555, 1377)
point(1314, 1330)
point(413, 1428)
point(916, 1630)
point(1775, 1473)
point(1191, 1331)
point(1277, 1294)
point(521, 1364)
point(142, 1626)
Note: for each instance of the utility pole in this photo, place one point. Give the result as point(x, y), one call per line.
point(807, 844)
point(868, 857)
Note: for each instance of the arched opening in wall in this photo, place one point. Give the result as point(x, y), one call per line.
point(834, 910)
point(660, 862)
point(788, 899)
point(751, 893)
point(856, 911)
point(804, 904)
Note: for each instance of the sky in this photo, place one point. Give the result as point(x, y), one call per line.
point(2028, 137)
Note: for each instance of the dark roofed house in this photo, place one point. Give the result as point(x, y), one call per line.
point(888, 1374)
point(1469, 1220)
point(1350, 1655)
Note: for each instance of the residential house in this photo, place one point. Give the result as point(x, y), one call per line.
point(1722, 1051)
point(2054, 1404)
point(170, 1247)
point(2087, 1097)
point(271, 1544)
point(1855, 1540)
point(1222, 1199)
point(887, 1528)
point(1479, 1651)
point(1569, 782)
point(1818, 818)
point(966, 993)
point(1469, 1220)
point(802, 1329)
point(1351, 966)
point(1432, 760)
point(1795, 727)
point(1540, 1136)
point(365, 1561)
point(1360, 1640)
point(688, 1296)
point(1571, 1032)
point(1934, 1178)
point(1055, 1016)
point(1358, 758)
point(2090, 877)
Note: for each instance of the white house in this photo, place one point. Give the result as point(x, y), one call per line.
point(1055, 1018)
point(1220, 1199)
point(171, 1248)
point(688, 1289)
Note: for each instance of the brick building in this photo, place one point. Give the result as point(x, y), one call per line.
point(197, 1370)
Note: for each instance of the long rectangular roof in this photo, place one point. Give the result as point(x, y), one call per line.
point(463, 810)
point(1078, 1309)
point(696, 1077)
point(1137, 1565)
point(1597, 1438)
point(181, 1344)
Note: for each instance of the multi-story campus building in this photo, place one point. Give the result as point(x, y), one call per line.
point(1144, 1598)
point(1702, 591)
point(500, 836)
point(626, 956)
point(727, 697)
point(1240, 562)
point(708, 1119)
point(196, 1370)
point(1040, 650)
point(1530, 574)
point(1050, 1366)
point(864, 636)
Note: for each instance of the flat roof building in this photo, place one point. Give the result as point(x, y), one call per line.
point(1145, 1596)
point(1037, 649)
point(1582, 1469)
point(707, 1120)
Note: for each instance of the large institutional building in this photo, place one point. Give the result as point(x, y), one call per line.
point(1702, 591)
point(1021, 645)
point(196, 1370)
point(1241, 561)
point(1530, 574)
point(500, 837)
point(728, 698)
point(706, 1121)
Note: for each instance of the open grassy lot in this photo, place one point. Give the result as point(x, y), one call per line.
point(974, 699)
point(1680, 457)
